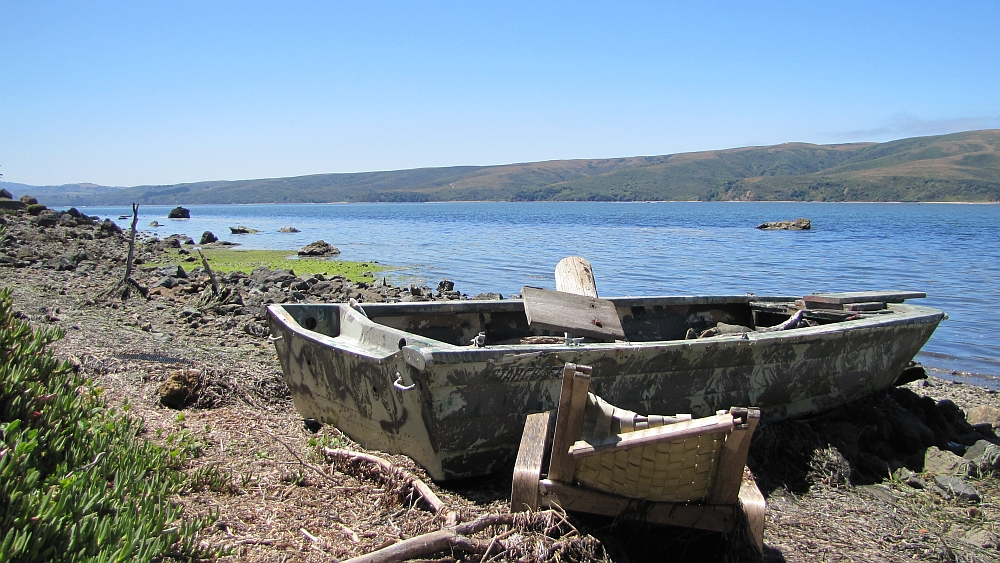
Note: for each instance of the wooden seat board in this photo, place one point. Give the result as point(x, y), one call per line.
point(863, 297)
point(578, 315)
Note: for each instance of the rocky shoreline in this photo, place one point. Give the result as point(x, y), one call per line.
point(906, 474)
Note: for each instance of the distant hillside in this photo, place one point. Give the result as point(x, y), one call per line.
point(956, 167)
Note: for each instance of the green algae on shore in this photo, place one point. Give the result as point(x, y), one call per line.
point(229, 259)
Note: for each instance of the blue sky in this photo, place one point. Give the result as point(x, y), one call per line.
point(140, 93)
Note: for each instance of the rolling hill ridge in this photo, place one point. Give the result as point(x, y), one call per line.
point(956, 167)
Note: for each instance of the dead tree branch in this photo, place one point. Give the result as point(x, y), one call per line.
point(453, 539)
point(417, 485)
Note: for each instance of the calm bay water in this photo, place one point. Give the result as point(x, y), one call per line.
point(951, 252)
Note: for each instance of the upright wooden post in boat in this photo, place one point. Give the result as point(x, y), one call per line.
point(574, 275)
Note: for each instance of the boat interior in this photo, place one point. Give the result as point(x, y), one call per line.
point(505, 322)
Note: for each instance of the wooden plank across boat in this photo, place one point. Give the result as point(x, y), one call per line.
point(450, 383)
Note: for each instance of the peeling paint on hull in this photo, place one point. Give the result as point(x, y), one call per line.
point(464, 414)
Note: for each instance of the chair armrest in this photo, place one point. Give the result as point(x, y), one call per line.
point(679, 431)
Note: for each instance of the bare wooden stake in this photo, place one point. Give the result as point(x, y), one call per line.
point(211, 274)
point(123, 289)
point(131, 246)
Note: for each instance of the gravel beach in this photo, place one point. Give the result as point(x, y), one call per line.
point(908, 474)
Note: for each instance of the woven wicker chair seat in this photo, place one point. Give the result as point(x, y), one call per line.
point(677, 471)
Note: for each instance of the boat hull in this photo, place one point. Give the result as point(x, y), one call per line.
point(458, 410)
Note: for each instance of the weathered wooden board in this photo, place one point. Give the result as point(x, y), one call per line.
point(574, 275)
point(576, 314)
point(863, 297)
point(867, 306)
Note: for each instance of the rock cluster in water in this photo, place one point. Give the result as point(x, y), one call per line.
point(800, 224)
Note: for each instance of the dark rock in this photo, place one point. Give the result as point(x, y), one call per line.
point(208, 237)
point(179, 213)
point(949, 410)
point(984, 457)
point(800, 224)
point(180, 389)
point(25, 199)
point(60, 263)
point(154, 223)
point(956, 487)
point(910, 434)
point(108, 228)
point(173, 270)
point(176, 240)
point(80, 217)
point(318, 248)
point(910, 478)
point(445, 285)
point(985, 429)
point(312, 425)
point(166, 281)
point(487, 296)
point(5, 194)
point(910, 374)
point(47, 218)
point(6, 203)
point(288, 230)
point(67, 220)
point(241, 230)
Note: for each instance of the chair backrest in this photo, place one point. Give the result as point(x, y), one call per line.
point(658, 458)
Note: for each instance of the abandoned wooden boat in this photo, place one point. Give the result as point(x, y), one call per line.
point(450, 383)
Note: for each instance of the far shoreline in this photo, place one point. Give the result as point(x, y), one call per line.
point(537, 201)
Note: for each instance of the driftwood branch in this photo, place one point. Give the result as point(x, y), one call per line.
point(418, 486)
point(791, 323)
point(451, 539)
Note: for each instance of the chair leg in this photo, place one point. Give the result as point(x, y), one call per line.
point(530, 456)
point(752, 503)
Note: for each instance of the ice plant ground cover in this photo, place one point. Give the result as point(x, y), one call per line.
point(77, 480)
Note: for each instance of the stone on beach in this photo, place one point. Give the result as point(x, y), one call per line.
point(318, 248)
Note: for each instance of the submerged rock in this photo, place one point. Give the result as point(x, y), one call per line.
point(288, 230)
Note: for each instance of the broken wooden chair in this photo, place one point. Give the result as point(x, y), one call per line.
point(667, 470)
